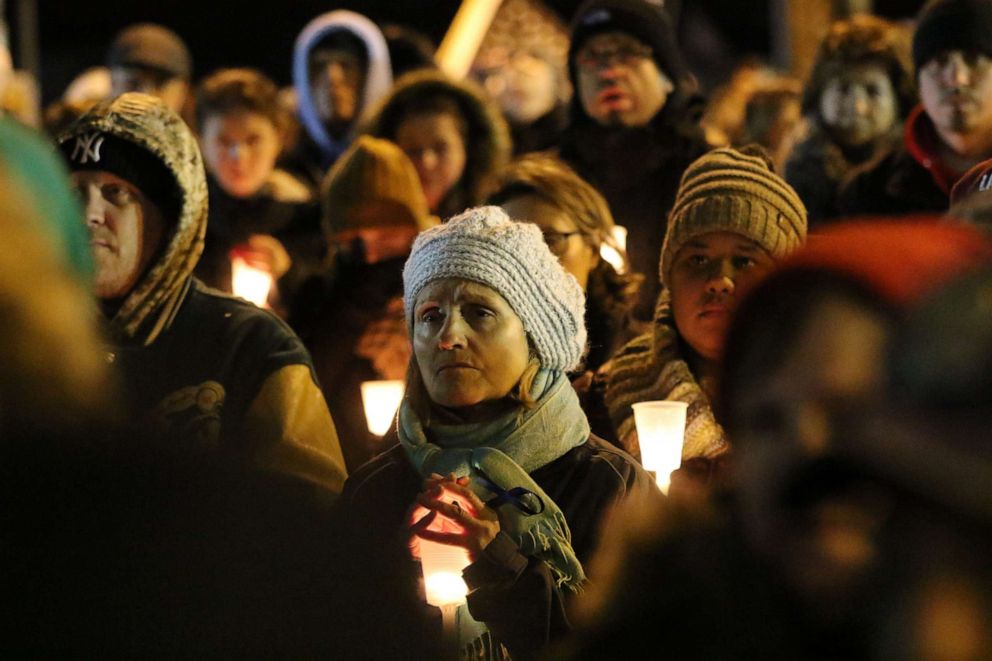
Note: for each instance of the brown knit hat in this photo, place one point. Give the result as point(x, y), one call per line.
point(373, 183)
point(727, 190)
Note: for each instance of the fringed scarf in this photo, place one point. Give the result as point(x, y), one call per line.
point(502, 452)
point(651, 367)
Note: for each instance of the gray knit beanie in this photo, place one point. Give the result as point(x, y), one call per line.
point(483, 245)
point(727, 190)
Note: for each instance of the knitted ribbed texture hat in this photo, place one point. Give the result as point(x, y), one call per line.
point(727, 190)
point(483, 245)
point(373, 183)
point(952, 25)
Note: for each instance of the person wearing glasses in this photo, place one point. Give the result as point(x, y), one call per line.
point(576, 223)
point(634, 121)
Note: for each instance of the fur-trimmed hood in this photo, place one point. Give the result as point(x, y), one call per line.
point(146, 122)
point(378, 75)
point(488, 146)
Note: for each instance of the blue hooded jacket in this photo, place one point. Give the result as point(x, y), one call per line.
point(378, 76)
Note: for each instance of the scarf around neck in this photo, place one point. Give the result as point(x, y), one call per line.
point(651, 367)
point(502, 452)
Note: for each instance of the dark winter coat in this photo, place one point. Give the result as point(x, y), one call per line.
point(818, 168)
point(332, 322)
point(232, 220)
point(514, 595)
point(638, 172)
point(910, 180)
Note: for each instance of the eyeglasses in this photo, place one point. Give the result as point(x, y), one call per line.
point(627, 54)
point(558, 241)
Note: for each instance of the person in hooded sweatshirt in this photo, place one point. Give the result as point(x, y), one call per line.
point(634, 125)
point(455, 137)
point(203, 372)
point(857, 96)
point(341, 67)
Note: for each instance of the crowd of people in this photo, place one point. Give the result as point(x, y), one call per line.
point(530, 250)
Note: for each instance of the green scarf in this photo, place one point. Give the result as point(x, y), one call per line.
point(505, 450)
point(651, 367)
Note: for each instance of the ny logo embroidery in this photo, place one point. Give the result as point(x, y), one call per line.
point(985, 182)
point(87, 148)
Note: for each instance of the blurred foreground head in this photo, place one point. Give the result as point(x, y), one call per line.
point(54, 374)
point(804, 376)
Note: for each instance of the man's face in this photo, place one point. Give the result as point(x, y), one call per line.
point(619, 82)
point(956, 91)
point(126, 230)
point(172, 91)
point(337, 78)
point(240, 150)
point(859, 104)
point(709, 276)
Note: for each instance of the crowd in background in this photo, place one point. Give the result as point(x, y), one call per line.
point(570, 229)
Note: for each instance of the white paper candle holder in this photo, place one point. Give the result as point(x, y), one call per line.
point(661, 433)
point(249, 282)
point(380, 399)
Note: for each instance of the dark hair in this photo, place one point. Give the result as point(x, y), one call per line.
point(487, 136)
point(239, 90)
point(862, 39)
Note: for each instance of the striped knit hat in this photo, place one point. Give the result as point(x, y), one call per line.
point(727, 190)
point(483, 245)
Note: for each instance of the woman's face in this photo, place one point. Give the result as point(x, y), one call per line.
point(859, 105)
point(574, 250)
point(435, 145)
point(708, 277)
point(470, 345)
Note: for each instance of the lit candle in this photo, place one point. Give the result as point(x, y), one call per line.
point(250, 282)
point(380, 400)
point(442, 565)
point(661, 433)
point(610, 254)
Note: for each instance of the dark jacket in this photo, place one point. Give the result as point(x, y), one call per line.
point(205, 370)
point(332, 321)
point(227, 377)
point(232, 220)
point(542, 134)
point(514, 595)
point(910, 180)
point(818, 168)
point(638, 172)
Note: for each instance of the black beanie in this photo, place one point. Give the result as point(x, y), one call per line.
point(646, 20)
point(964, 25)
point(130, 162)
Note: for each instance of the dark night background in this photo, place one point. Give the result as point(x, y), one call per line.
point(75, 34)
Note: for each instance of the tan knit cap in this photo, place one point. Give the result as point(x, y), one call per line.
point(373, 183)
point(727, 190)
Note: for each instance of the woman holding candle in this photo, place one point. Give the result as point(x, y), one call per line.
point(733, 219)
point(491, 422)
